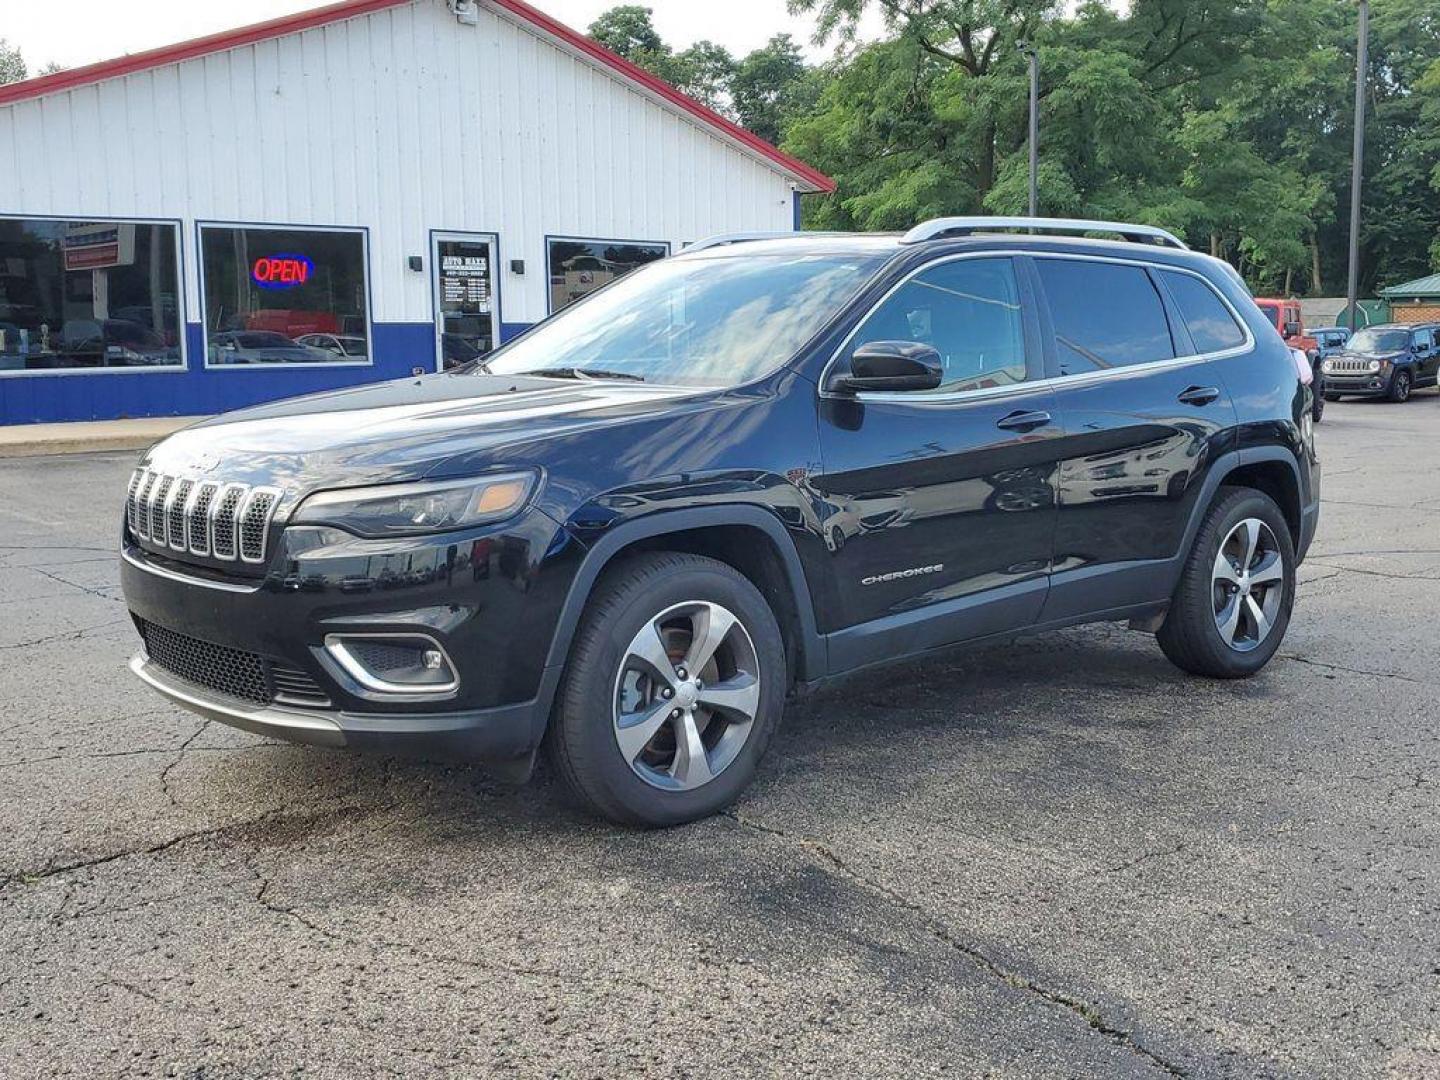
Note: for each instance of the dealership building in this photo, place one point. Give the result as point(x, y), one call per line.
point(365, 191)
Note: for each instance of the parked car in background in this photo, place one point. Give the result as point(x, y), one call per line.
point(748, 469)
point(1386, 361)
point(263, 347)
point(1285, 316)
point(1329, 340)
point(340, 346)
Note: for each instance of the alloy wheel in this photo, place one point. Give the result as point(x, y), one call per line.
point(686, 695)
point(1248, 585)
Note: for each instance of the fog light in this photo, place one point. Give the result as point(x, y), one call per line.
point(394, 663)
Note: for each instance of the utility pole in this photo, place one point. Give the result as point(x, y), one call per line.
point(1034, 58)
point(1357, 164)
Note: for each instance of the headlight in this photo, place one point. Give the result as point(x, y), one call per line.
point(1327, 366)
point(412, 509)
point(1374, 365)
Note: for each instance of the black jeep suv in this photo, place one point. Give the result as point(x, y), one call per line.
point(1383, 361)
point(736, 473)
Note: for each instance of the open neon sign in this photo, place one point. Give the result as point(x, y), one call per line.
point(281, 271)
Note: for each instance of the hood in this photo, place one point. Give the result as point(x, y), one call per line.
point(401, 430)
point(1351, 354)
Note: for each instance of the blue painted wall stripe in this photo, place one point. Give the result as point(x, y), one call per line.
point(398, 349)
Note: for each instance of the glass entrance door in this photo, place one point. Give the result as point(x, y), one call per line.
point(467, 318)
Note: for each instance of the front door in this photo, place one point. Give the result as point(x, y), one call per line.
point(942, 503)
point(467, 314)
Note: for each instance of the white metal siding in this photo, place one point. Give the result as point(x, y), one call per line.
point(403, 121)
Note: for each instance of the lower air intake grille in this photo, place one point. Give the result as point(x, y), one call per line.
point(232, 672)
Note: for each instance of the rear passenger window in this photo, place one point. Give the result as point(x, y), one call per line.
point(1209, 321)
point(968, 310)
point(1107, 315)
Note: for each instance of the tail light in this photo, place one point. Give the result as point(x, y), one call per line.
point(1302, 367)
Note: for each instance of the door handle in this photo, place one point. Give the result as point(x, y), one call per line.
point(1198, 395)
point(1023, 421)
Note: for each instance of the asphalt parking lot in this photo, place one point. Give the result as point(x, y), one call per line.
point(1059, 857)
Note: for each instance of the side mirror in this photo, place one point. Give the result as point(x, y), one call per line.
point(892, 365)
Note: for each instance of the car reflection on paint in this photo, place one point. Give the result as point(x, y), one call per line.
point(340, 346)
point(1161, 469)
point(263, 347)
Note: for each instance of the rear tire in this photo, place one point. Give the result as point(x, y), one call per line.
point(1232, 606)
point(1332, 397)
point(1317, 407)
point(637, 735)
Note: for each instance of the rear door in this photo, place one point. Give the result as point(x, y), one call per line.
point(1427, 360)
point(1143, 412)
point(942, 503)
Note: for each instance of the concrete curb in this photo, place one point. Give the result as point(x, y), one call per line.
point(36, 440)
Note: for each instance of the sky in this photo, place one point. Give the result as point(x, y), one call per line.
point(72, 34)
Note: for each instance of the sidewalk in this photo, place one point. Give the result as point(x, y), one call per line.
point(30, 440)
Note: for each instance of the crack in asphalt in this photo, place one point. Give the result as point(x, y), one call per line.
point(374, 943)
point(1352, 670)
point(1130, 864)
point(279, 816)
point(179, 757)
point(65, 635)
point(1371, 573)
point(76, 585)
point(1087, 1011)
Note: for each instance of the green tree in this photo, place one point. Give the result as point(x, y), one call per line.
point(629, 30)
point(12, 64)
point(773, 85)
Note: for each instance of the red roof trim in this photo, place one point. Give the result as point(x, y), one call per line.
point(349, 9)
point(188, 50)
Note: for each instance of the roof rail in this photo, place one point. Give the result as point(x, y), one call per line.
point(725, 239)
point(964, 226)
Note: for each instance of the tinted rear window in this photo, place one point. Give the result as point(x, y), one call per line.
point(1209, 321)
point(1107, 315)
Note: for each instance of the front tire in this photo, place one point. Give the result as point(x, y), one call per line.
point(1332, 397)
point(1400, 387)
point(673, 689)
point(1232, 606)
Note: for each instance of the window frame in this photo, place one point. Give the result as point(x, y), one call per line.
point(552, 238)
point(1173, 303)
point(179, 368)
point(364, 233)
point(1032, 292)
point(1034, 352)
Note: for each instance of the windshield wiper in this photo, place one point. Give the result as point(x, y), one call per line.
point(582, 373)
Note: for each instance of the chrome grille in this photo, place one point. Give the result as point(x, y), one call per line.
point(199, 515)
point(253, 522)
point(175, 513)
point(1346, 365)
point(203, 517)
point(159, 490)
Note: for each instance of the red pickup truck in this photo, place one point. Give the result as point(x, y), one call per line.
point(1284, 315)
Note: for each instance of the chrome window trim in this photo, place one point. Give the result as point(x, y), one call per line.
point(951, 397)
point(335, 646)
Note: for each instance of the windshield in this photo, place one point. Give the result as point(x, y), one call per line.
point(703, 322)
point(1377, 341)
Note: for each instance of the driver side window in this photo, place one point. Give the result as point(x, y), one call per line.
point(968, 310)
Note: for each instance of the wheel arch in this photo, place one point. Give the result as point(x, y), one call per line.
point(745, 537)
point(1270, 469)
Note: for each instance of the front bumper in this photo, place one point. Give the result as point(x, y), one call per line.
point(480, 735)
point(490, 598)
point(1369, 384)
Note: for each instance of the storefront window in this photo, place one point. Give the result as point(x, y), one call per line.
point(77, 295)
point(284, 295)
point(579, 267)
